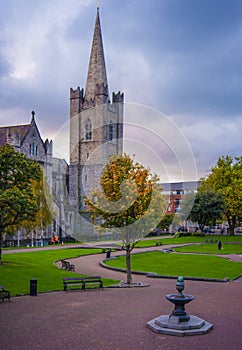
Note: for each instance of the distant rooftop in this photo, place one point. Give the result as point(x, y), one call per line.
point(180, 186)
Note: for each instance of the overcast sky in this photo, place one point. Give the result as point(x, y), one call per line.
point(180, 59)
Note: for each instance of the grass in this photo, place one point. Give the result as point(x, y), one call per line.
point(191, 239)
point(211, 249)
point(39, 247)
point(18, 268)
point(203, 266)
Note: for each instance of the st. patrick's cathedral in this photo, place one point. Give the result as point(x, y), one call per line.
point(96, 132)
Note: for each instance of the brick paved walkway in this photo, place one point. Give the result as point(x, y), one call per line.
point(116, 319)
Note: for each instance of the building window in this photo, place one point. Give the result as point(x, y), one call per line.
point(86, 178)
point(70, 220)
point(87, 155)
point(32, 149)
point(88, 130)
point(111, 131)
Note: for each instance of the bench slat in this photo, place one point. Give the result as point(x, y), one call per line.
point(73, 281)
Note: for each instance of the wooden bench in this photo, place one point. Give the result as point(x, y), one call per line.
point(211, 241)
point(4, 294)
point(67, 266)
point(82, 281)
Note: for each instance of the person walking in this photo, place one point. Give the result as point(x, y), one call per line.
point(219, 245)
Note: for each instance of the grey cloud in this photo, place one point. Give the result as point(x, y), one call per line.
point(180, 57)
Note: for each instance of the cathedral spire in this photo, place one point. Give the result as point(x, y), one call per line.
point(97, 83)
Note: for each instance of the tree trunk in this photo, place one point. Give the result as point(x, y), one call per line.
point(231, 222)
point(128, 265)
point(1, 243)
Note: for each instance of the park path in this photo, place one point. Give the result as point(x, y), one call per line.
point(90, 265)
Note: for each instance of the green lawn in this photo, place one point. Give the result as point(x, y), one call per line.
point(187, 265)
point(18, 268)
point(211, 249)
point(191, 239)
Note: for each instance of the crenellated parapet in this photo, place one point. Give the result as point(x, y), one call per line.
point(86, 104)
point(102, 89)
point(119, 97)
point(48, 147)
point(77, 93)
point(76, 101)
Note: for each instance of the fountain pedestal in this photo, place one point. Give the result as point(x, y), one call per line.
point(179, 322)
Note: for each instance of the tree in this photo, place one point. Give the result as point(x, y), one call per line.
point(129, 203)
point(226, 178)
point(165, 222)
point(18, 201)
point(44, 215)
point(208, 206)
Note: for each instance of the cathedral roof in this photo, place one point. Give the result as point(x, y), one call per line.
point(7, 132)
point(97, 83)
point(15, 134)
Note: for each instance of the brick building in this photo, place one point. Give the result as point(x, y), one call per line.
point(175, 192)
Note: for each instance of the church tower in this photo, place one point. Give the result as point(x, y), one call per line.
point(96, 125)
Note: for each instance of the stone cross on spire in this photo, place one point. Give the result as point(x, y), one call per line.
point(97, 83)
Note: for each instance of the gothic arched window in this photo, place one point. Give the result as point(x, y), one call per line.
point(88, 130)
point(32, 149)
point(111, 131)
point(70, 220)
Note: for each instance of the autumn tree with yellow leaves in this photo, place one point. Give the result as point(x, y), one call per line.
point(129, 203)
point(44, 215)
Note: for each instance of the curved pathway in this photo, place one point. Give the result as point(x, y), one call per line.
point(90, 264)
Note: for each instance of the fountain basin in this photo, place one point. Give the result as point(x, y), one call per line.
point(179, 300)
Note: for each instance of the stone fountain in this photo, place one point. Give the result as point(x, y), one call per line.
point(179, 322)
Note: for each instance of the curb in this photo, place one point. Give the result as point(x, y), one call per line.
point(155, 275)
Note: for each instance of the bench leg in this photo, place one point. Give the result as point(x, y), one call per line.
point(6, 297)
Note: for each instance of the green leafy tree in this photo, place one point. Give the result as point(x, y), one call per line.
point(165, 222)
point(208, 207)
point(129, 203)
point(18, 201)
point(226, 178)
